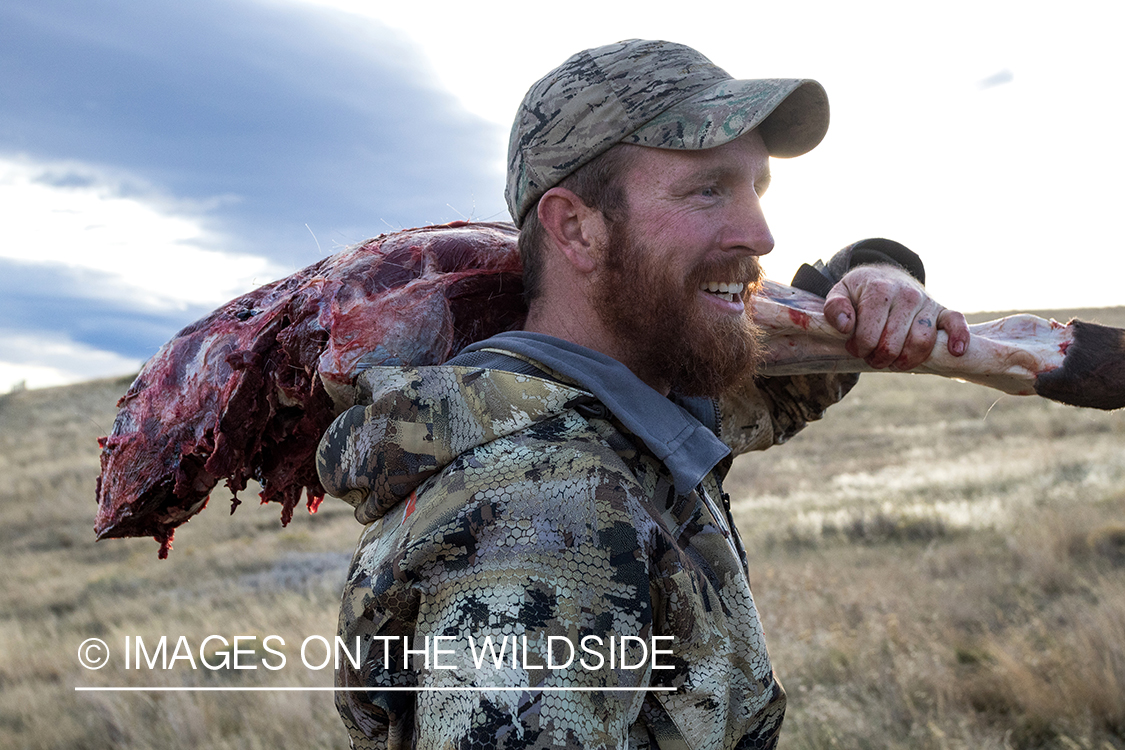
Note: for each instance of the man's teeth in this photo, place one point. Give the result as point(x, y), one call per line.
point(723, 289)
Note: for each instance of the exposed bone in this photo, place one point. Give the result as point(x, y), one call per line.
point(1078, 363)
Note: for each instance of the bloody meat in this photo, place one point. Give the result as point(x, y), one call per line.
point(241, 394)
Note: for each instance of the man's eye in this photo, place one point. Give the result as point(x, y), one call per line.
point(708, 192)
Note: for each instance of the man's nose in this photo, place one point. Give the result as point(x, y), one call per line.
point(747, 230)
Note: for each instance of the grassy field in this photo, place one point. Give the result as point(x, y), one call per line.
point(938, 566)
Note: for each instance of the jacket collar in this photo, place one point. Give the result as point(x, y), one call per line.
point(673, 429)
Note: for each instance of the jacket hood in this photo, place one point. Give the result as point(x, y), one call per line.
point(419, 420)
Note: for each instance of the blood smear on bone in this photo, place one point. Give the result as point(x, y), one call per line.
point(799, 318)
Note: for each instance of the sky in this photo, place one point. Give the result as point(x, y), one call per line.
point(158, 159)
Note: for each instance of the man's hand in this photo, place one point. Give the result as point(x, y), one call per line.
point(891, 320)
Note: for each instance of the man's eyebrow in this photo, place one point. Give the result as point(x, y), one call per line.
point(691, 181)
point(715, 173)
point(721, 172)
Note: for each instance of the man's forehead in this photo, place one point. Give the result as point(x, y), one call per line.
point(745, 156)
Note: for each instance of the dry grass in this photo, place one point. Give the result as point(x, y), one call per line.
point(950, 574)
point(937, 567)
point(240, 575)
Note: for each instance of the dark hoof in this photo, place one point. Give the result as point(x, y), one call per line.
point(1093, 371)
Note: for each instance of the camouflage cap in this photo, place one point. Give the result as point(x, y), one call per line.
point(651, 93)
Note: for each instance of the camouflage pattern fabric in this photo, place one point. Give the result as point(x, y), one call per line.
point(764, 412)
point(505, 506)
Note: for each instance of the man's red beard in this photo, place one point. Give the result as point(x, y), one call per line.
point(661, 325)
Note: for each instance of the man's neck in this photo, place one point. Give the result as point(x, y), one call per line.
point(587, 331)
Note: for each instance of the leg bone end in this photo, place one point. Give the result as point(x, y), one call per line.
point(1093, 371)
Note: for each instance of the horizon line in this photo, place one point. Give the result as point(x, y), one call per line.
point(232, 689)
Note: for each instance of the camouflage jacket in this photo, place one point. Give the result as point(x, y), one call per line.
point(508, 514)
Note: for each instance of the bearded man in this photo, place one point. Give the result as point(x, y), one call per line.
point(549, 558)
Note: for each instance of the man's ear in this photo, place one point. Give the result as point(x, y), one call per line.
point(576, 229)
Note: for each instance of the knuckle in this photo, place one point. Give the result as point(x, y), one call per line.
point(952, 318)
point(881, 287)
point(912, 296)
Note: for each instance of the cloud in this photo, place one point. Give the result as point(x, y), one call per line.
point(999, 78)
point(43, 358)
point(278, 115)
point(72, 218)
point(74, 302)
point(158, 159)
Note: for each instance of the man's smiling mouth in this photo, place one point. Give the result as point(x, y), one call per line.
point(724, 290)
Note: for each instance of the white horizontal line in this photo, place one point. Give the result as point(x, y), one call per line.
point(368, 689)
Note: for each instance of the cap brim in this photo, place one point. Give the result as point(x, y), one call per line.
point(792, 115)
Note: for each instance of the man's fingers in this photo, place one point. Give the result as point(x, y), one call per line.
point(883, 320)
point(883, 335)
point(919, 342)
point(889, 319)
point(954, 324)
point(838, 310)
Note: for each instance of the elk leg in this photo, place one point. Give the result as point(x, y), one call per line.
point(1078, 363)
